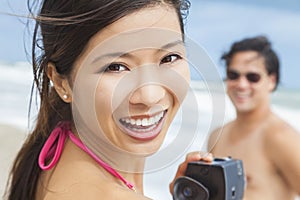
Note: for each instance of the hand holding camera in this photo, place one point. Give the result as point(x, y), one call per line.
point(221, 179)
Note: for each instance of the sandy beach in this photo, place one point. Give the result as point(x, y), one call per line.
point(11, 139)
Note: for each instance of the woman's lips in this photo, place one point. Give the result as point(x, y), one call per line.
point(143, 128)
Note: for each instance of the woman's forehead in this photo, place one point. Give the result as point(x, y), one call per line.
point(138, 24)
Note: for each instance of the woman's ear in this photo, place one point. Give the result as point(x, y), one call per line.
point(60, 83)
point(272, 83)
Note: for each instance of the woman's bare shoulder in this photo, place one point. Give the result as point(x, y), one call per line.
point(84, 181)
point(85, 190)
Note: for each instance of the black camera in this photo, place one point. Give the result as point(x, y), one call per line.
point(222, 179)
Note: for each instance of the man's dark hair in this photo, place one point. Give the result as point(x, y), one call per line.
point(263, 47)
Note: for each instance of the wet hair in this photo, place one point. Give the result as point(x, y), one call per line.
point(62, 30)
point(263, 47)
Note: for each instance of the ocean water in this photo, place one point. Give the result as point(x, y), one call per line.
point(15, 87)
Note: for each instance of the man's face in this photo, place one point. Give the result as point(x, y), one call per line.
point(248, 83)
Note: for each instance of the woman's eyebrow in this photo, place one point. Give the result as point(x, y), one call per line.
point(127, 54)
point(172, 44)
point(111, 55)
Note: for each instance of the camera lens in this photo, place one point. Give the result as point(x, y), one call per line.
point(187, 192)
point(186, 188)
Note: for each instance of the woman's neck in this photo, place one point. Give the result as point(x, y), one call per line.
point(130, 166)
point(130, 169)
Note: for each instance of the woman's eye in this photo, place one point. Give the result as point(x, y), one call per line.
point(116, 68)
point(170, 58)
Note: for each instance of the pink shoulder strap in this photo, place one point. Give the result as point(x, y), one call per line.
point(53, 147)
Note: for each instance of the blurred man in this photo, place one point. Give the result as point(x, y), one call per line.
point(268, 146)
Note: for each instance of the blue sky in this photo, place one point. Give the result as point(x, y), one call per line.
point(12, 30)
point(213, 24)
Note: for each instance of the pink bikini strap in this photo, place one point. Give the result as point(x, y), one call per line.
point(54, 145)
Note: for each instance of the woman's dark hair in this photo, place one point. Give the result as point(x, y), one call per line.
point(62, 30)
point(263, 47)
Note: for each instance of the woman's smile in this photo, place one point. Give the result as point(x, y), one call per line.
point(143, 127)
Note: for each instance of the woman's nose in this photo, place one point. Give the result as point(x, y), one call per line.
point(148, 95)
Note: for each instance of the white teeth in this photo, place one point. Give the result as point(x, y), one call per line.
point(138, 122)
point(144, 121)
point(132, 122)
point(151, 120)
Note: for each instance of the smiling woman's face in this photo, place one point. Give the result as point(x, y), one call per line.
point(131, 79)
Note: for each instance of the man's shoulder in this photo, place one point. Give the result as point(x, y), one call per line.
point(278, 126)
point(282, 148)
point(222, 129)
point(280, 134)
point(217, 133)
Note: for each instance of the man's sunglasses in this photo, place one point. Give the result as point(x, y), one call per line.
point(251, 76)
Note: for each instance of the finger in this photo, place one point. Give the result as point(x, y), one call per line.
point(198, 155)
point(193, 156)
point(208, 157)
